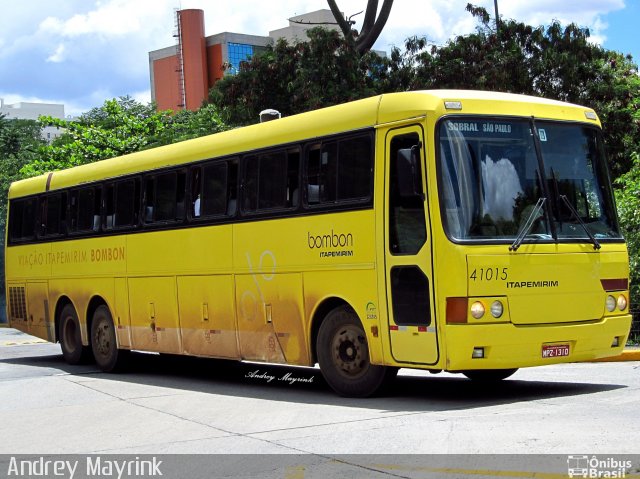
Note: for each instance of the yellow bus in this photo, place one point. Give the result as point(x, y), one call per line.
point(459, 231)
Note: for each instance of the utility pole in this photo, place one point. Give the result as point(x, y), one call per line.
point(495, 5)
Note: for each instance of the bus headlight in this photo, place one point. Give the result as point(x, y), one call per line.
point(611, 304)
point(622, 302)
point(477, 310)
point(497, 309)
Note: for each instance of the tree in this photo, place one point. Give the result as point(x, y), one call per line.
point(188, 124)
point(553, 62)
point(119, 127)
point(371, 26)
point(628, 203)
point(293, 78)
point(20, 143)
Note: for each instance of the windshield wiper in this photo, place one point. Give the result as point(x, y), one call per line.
point(533, 216)
point(596, 244)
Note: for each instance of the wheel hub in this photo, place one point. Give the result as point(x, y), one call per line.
point(70, 335)
point(348, 351)
point(102, 340)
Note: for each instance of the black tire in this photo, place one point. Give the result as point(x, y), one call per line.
point(343, 355)
point(70, 337)
point(489, 375)
point(104, 343)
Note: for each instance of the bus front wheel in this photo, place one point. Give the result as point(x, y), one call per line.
point(489, 375)
point(343, 355)
point(103, 342)
point(69, 336)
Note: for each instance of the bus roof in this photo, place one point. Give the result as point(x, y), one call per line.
point(353, 116)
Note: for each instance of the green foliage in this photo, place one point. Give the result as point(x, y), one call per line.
point(628, 204)
point(118, 127)
point(20, 143)
point(187, 124)
point(324, 71)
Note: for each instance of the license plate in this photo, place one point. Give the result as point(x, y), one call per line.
point(555, 350)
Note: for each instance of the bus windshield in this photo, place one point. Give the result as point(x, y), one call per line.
point(496, 173)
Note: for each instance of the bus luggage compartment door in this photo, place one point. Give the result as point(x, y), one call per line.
point(38, 311)
point(270, 318)
point(207, 318)
point(154, 314)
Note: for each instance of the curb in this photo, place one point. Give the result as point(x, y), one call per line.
point(629, 354)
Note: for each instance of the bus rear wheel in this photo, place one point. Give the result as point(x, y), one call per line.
point(104, 344)
point(343, 355)
point(489, 375)
point(70, 338)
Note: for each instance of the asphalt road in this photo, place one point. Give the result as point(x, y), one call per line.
point(166, 405)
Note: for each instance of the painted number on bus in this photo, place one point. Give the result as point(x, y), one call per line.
point(489, 274)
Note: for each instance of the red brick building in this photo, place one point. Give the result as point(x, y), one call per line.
point(181, 75)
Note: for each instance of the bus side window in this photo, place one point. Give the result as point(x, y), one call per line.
point(327, 172)
point(195, 175)
point(355, 166)
point(270, 180)
point(121, 204)
point(214, 189)
point(109, 206)
point(53, 214)
point(339, 171)
point(232, 185)
point(165, 197)
point(22, 220)
point(272, 184)
point(250, 183)
point(126, 203)
point(407, 225)
point(84, 209)
point(293, 178)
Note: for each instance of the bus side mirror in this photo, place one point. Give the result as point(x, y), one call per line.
point(408, 171)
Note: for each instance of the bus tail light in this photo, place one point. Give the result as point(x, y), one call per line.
point(478, 353)
point(457, 310)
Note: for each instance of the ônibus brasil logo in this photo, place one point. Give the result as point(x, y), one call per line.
point(594, 467)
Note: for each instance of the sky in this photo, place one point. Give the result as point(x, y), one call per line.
point(82, 52)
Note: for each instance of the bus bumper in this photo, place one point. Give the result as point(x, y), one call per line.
point(505, 346)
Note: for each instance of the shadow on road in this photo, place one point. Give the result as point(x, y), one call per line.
point(421, 393)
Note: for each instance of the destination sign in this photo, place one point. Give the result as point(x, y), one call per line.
point(484, 128)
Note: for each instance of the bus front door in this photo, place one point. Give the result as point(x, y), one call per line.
point(408, 271)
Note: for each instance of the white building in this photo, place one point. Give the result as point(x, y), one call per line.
point(298, 26)
point(32, 111)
